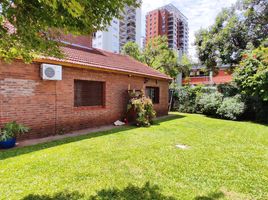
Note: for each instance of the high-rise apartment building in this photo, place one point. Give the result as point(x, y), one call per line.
point(130, 26)
point(169, 21)
point(120, 31)
point(108, 40)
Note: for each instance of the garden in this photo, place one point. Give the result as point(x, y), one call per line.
point(223, 160)
point(245, 98)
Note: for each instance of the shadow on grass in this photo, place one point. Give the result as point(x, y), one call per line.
point(28, 149)
point(131, 192)
point(211, 196)
point(24, 150)
point(168, 118)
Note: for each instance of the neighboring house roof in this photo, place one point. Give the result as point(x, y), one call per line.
point(220, 78)
point(199, 67)
point(99, 59)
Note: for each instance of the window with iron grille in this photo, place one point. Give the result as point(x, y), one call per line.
point(153, 94)
point(89, 93)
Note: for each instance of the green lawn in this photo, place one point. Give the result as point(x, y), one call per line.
point(226, 160)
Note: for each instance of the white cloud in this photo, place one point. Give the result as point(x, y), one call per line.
point(200, 13)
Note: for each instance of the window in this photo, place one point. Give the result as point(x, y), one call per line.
point(88, 93)
point(153, 93)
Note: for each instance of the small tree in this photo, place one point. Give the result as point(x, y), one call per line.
point(252, 74)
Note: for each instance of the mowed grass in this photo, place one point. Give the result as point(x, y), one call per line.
point(226, 160)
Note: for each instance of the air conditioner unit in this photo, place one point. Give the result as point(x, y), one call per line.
point(51, 72)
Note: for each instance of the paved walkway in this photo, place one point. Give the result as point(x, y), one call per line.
point(71, 134)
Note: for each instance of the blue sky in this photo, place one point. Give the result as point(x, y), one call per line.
point(200, 13)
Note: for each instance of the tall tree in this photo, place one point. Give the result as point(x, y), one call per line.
point(32, 27)
point(252, 74)
point(185, 64)
point(132, 49)
point(156, 55)
point(240, 27)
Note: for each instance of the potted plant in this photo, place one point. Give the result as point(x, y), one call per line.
point(9, 133)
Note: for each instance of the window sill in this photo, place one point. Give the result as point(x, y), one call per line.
point(81, 108)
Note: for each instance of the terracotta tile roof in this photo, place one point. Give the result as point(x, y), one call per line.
point(82, 40)
point(105, 60)
point(218, 79)
point(78, 51)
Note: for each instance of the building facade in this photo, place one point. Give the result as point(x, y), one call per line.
point(121, 31)
point(169, 21)
point(108, 40)
point(130, 26)
point(92, 90)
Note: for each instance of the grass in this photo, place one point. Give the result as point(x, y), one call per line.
point(226, 160)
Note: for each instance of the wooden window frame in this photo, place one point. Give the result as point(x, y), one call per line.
point(158, 92)
point(97, 107)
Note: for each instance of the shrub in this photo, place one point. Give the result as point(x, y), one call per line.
point(12, 130)
point(231, 108)
point(209, 103)
point(143, 107)
point(185, 99)
point(252, 74)
point(256, 109)
point(208, 89)
point(228, 89)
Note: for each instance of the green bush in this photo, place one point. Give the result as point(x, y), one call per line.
point(12, 130)
point(228, 89)
point(143, 107)
point(185, 99)
point(251, 75)
point(208, 89)
point(231, 108)
point(256, 109)
point(209, 103)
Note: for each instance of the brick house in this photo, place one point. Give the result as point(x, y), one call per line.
point(92, 91)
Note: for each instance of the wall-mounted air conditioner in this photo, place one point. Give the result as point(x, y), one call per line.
point(51, 72)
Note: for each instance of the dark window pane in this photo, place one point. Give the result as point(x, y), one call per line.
point(153, 94)
point(88, 93)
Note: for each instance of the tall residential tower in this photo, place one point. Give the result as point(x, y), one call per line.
point(120, 31)
point(169, 21)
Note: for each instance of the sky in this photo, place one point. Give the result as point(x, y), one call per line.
point(200, 14)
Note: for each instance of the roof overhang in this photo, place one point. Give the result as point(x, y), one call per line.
point(96, 67)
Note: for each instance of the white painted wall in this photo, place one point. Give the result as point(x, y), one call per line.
point(108, 40)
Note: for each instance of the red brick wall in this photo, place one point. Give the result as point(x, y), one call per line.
point(47, 107)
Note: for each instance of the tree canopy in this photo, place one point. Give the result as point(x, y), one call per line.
point(132, 49)
point(38, 24)
point(156, 54)
point(240, 27)
point(252, 74)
